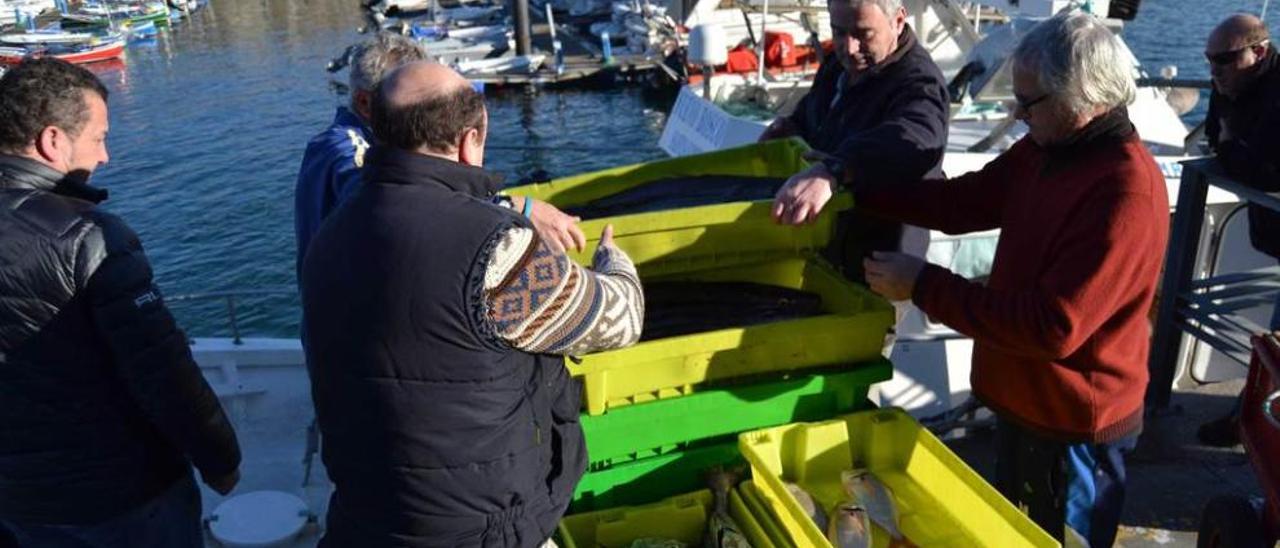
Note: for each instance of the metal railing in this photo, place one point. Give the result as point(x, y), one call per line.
point(1208, 309)
point(229, 297)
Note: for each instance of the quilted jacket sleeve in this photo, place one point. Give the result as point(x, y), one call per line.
point(149, 350)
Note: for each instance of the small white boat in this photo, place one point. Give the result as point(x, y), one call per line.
point(522, 64)
point(10, 10)
point(38, 37)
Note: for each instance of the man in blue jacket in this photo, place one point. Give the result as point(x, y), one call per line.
point(877, 111)
point(331, 166)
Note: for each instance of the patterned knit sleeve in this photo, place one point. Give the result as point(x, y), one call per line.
point(540, 301)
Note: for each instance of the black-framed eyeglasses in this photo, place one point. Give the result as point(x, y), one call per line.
point(1025, 105)
point(1223, 58)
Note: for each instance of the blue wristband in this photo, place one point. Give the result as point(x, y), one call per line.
point(528, 207)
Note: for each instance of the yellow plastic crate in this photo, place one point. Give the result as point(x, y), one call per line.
point(680, 240)
point(940, 500)
point(755, 504)
point(852, 330)
point(682, 518)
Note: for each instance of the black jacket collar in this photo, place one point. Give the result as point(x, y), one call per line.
point(906, 41)
point(19, 172)
point(394, 166)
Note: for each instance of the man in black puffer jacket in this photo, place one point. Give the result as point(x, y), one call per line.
point(102, 409)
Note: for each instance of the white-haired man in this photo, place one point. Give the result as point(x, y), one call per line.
point(1060, 330)
point(330, 169)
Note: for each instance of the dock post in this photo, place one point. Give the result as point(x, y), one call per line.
point(521, 10)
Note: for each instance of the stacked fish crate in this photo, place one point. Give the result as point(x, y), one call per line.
point(874, 478)
point(657, 415)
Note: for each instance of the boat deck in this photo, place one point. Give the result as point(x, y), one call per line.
point(1171, 475)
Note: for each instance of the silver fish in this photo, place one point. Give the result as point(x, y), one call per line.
point(850, 527)
point(810, 506)
point(722, 531)
point(870, 493)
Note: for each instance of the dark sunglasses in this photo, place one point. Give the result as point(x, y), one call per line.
point(1229, 57)
point(1025, 105)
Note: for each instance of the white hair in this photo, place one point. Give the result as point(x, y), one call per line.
point(377, 56)
point(1079, 60)
point(889, 7)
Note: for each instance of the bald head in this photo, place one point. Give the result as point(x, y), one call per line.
point(421, 81)
point(427, 107)
point(1235, 49)
point(1238, 31)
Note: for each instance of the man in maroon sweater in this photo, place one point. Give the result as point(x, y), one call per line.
point(1060, 330)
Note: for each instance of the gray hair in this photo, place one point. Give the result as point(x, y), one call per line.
point(377, 56)
point(1078, 59)
point(889, 7)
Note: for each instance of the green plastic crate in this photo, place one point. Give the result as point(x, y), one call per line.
point(650, 429)
point(682, 518)
point(655, 478)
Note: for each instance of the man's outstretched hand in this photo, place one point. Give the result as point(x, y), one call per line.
point(559, 229)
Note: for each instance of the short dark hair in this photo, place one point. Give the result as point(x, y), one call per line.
point(43, 92)
point(436, 122)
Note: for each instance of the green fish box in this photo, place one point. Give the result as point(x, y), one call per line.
point(646, 480)
point(681, 518)
point(639, 431)
point(645, 452)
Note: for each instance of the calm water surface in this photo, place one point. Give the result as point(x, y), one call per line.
point(208, 124)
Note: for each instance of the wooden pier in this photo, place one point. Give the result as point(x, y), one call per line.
point(583, 60)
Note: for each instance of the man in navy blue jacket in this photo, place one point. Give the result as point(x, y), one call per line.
point(877, 111)
point(331, 166)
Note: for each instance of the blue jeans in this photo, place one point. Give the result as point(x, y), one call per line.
point(1275, 315)
point(171, 520)
point(1061, 486)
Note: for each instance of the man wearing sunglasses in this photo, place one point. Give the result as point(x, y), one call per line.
point(1243, 127)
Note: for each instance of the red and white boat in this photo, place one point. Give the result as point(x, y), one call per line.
point(79, 53)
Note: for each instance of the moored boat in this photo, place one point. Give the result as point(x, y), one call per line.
point(78, 53)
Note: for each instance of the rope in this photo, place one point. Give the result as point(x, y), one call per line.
point(571, 148)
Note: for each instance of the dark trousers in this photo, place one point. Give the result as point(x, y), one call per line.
point(1060, 485)
point(171, 520)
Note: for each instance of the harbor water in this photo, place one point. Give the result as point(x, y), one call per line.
point(209, 121)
